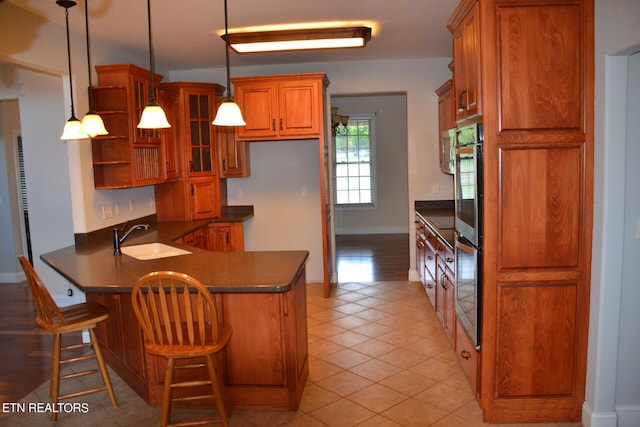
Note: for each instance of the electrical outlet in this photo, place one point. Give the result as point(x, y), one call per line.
point(435, 188)
point(239, 194)
point(117, 210)
point(107, 212)
point(304, 192)
point(132, 206)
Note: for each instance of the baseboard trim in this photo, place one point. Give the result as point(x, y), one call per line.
point(598, 419)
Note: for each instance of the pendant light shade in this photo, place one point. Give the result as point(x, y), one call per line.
point(73, 127)
point(229, 113)
point(153, 116)
point(73, 130)
point(92, 123)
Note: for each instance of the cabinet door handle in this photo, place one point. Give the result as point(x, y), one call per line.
point(465, 354)
point(462, 106)
point(273, 124)
point(224, 164)
point(280, 123)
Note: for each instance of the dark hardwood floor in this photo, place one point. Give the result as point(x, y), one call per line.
point(372, 257)
point(26, 350)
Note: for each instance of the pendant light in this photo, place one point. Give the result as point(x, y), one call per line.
point(73, 127)
point(92, 123)
point(229, 113)
point(153, 116)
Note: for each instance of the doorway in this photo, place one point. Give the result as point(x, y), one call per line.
point(371, 233)
point(14, 209)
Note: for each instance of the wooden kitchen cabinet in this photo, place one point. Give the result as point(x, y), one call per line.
point(198, 239)
point(469, 358)
point(226, 236)
point(233, 154)
point(466, 57)
point(216, 237)
point(280, 107)
point(126, 157)
point(446, 126)
point(537, 109)
point(426, 258)
point(200, 192)
point(445, 290)
point(171, 151)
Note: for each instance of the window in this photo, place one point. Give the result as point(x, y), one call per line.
point(354, 170)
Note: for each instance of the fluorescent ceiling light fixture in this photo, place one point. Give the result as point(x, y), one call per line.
point(299, 39)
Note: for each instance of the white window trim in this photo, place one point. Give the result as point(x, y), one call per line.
point(374, 173)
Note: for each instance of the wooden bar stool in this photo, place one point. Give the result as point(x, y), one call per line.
point(60, 320)
point(179, 320)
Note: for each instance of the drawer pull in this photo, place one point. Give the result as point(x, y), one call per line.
point(465, 354)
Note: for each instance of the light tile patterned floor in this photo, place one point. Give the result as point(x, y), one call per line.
point(378, 357)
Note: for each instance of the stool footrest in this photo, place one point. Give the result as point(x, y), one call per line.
point(194, 383)
point(79, 374)
point(195, 423)
point(82, 393)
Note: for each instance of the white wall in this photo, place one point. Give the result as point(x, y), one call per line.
point(390, 211)
point(284, 190)
point(607, 403)
point(628, 375)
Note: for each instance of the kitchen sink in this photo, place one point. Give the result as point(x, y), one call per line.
point(152, 251)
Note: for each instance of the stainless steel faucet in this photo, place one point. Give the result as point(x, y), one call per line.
point(117, 240)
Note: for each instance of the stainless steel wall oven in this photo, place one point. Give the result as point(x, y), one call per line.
point(468, 224)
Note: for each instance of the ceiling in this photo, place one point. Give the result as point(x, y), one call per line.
point(186, 33)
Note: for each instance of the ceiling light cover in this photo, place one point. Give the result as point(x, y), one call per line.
point(303, 39)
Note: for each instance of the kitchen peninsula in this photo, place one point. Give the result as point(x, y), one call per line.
point(262, 295)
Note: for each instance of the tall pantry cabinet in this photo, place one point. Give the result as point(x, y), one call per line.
point(535, 99)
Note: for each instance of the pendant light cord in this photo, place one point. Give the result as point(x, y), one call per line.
point(86, 23)
point(66, 16)
point(152, 87)
point(226, 37)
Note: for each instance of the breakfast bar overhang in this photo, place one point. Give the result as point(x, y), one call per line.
point(262, 295)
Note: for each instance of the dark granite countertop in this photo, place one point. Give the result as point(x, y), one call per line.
point(92, 267)
point(440, 216)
